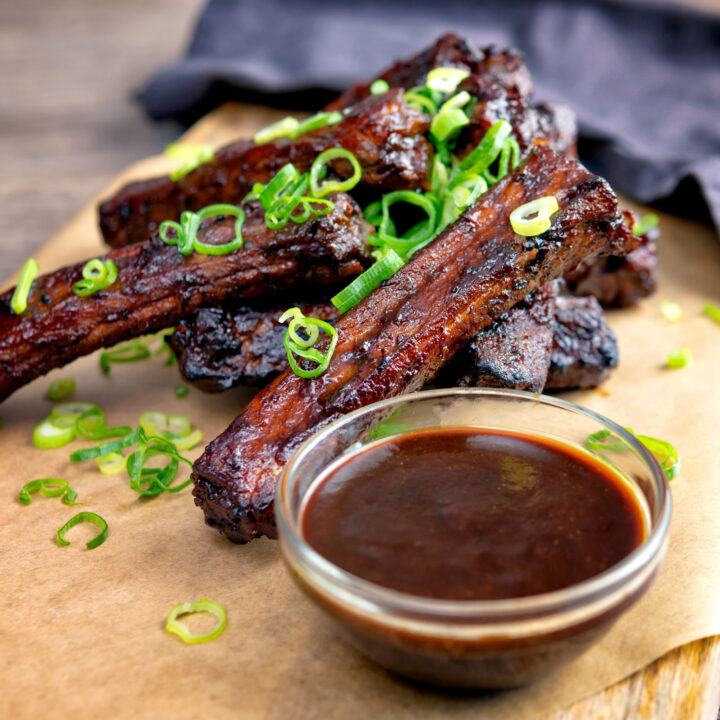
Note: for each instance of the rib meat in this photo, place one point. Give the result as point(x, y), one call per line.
point(397, 339)
point(506, 67)
point(584, 348)
point(513, 352)
point(384, 134)
point(619, 281)
point(156, 287)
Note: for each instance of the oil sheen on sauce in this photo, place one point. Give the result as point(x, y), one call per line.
point(472, 514)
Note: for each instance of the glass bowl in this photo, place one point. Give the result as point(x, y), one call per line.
point(474, 643)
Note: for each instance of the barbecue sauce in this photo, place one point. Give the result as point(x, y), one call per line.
point(472, 514)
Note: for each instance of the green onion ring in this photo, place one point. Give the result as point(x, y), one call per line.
point(28, 272)
point(48, 487)
point(92, 425)
point(99, 450)
point(60, 389)
point(487, 150)
point(111, 464)
point(405, 246)
point(281, 128)
point(320, 164)
point(216, 210)
point(97, 275)
point(361, 286)
point(446, 79)
point(645, 224)
point(678, 359)
point(181, 391)
point(47, 435)
point(712, 311)
point(173, 625)
point(130, 352)
point(319, 120)
point(379, 87)
point(533, 218)
point(301, 348)
point(84, 516)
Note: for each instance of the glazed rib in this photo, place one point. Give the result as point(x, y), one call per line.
point(584, 348)
point(619, 281)
point(513, 352)
point(156, 286)
point(504, 66)
point(384, 134)
point(396, 339)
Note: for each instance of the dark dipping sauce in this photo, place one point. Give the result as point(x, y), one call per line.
point(466, 514)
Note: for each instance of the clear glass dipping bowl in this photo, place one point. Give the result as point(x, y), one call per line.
point(473, 644)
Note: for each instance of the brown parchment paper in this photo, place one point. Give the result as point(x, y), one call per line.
point(83, 631)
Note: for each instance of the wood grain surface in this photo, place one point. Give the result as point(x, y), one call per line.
point(67, 125)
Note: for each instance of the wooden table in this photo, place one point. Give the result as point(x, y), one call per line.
point(67, 126)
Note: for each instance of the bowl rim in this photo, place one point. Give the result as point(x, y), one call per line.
point(564, 599)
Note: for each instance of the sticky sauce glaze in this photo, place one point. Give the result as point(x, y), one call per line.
point(465, 514)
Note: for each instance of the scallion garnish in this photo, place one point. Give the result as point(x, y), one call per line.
point(48, 487)
point(645, 224)
point(382, 269)
point(318, 170)
point(533, 218)
point(317, 121)
point(84, 516)
point(712, 311)
point(678, 359)
point(446, 79)
point(281, 128)
point(97, 275)
point(47, 435)
point(173, 624)
point(664, 452)
point(126, 353)
point(28, 272)
point(181, 391)
point(92, 425)
point(191, 156)
point(185, 232)
point(302, 345)
point(60, 389)
point(416, 237)
point(111, 464)
point(671, 311)
point(379, 87)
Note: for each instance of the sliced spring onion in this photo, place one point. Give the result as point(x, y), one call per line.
point(319, 168)
point(84, 516)
point(106, 448)
point(188, 442)
point(126, 353)
point(28, 272)
point(712, 311)
point(533, 218)
point(47, 435)
point(111, 464)
point(281, 128)
point(420, 101)
point(321, 119)
point(192, 156)
point(379, 87)
point(92, 425)
point(158, 423)
point(60, 389)
point(185, 232)
point(363, 285)
point(488, 149)
point(446, 79)
point(416, 237)
point(97, 275)
point(150, 482)
point(173, 624)
point(645, 224)
point(671, 311)
point(48, 487)
point(181, 391)
point(296, 344)
point(663, 451)
point(678, 359)
point(447, 123)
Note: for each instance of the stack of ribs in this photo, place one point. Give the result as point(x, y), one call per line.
point(479, 306)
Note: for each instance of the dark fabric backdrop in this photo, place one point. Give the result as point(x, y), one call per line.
point(643, 77)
